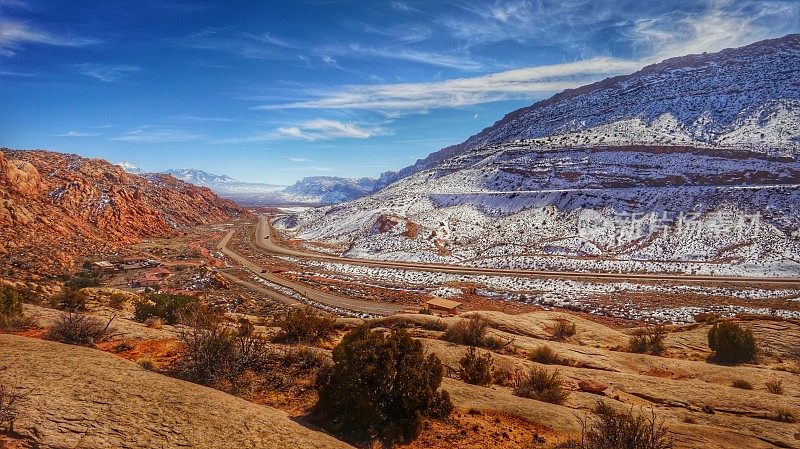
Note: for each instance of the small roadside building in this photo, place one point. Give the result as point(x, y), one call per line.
point(443, 305)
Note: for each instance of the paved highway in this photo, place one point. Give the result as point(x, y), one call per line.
point(355, 305)
point(264, 229)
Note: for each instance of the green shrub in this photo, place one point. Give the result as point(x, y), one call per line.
point(169, 308)
point(541, 385)
point(649, 340)
point(612, 430)
point(10, 307)
point(731, 343)
point(79, 329)
point(476, 369)
point(470, 332)
point(743, 384)
point(81, 280)
point(304, 326)
point(546, 356)
point(380, 386)
point(71, 300)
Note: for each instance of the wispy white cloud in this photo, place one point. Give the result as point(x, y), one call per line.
point(147, 135)
point(323, 129)
point(106, 72)
point(298, 159)
point(655, 39)
point(312, 130)
point(201, 119)
point(519, 83)
point(455, 61)
point(15, 34)
point(79, 134)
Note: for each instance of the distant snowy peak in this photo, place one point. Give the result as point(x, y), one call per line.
point(130, 168)
point(746, 97)
point(331, 189)
point(200, 177)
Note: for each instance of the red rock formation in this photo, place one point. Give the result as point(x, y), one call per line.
point(55, 208)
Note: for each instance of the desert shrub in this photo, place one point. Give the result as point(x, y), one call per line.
point(612, 430)
point(541, 385)
point(743, 384)
point(81, 280)
point(70, 300)
point(304, 358)
point(10, 307)
point(304, 326)
point(380, 386)
point(504, 375)
point(470, 332)
point(476, 369)
point(563, 330)
point(153, 322)
point(775, 386)
point(11, 399)
point(731, 343)
point(169, 308)
point(218, 355)
point(117, 301)
point(77, 328)
point(546, 356)
point(148, 364)
point(783, 415)
point(648, 341)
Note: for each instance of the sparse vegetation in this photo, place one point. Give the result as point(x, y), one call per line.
point(78, 328)
point(541, 385)
point(153, 322)
point(731, 343)
point(71, 300)
point(11, 399)
point(217, 355)
point(775, 386)
point(81, 280)
point(469, 332)
point(546, 356)
point(380, 386)
point(563, 330)
point(304, 326)
point(743, 384)
point(648, 341)
point(783, 415)
point(148, 364)
point(117, 301)
point(11, 313)
point(476, 369)
point(169, 308)
point(612, 430)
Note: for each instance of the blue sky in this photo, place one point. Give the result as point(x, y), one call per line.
point(272, 91)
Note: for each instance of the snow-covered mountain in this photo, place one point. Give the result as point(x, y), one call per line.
point(200, 177)
point(312, 190)
point(130, 168)
point(330, 189)
point(690, 165)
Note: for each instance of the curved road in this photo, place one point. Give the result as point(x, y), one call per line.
point(355, 305)
point(264, 228)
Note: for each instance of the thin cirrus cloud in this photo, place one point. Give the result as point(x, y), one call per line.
point(14, 35)
point(658, 38)
point(323, 129)
point(106, 72)
point(79, 134)
point(146, 135)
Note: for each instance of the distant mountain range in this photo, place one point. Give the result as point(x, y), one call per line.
point(690, 165)
point(312, 190)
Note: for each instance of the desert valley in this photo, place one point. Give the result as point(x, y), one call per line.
point(614, 266)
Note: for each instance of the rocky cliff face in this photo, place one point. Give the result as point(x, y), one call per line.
point(56, 207)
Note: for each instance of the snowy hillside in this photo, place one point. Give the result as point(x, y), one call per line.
point(748, 96)
point(685, 166)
